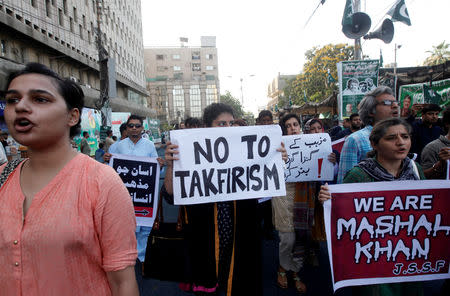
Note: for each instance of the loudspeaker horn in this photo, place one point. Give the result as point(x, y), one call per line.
point(385, 32)
point(359, 26)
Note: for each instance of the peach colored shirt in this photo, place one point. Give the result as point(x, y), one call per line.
point(78, 227)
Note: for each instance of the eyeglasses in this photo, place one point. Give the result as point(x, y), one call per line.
point(388, 102)
point(132, 125)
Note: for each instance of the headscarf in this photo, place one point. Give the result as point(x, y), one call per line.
point(374, 169)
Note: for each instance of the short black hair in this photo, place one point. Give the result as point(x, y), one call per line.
point(70, 91)
point(353, 116)
point(135, 117)
point(213, 111)
point(265, 113)
point(100, 145)
point(85, 133)
point(286, 118)
point(122, 128)
point(109, 132)
point(192, 122)
point(431, 107)
point(446, 118)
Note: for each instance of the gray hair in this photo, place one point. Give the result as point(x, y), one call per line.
point(367, 106)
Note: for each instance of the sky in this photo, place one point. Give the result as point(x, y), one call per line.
point(257, 39)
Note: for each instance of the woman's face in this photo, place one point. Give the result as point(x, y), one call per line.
point(292, 126)
point(395, 144)
point(36, 113)
point(223, 120)
point(315, 128)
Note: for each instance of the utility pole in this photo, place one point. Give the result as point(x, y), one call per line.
point(103, 101)
point(357, 57)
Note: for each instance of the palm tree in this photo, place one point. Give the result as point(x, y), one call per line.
point(440, 54)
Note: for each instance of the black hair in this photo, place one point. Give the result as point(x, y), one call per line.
point(123, 128)
point(265, 113)
point(109, 132)
point(135, 117)
point(192, 122)
point(431, 107)
point(100, 145)
point(380, 129)
point(446, 118)
point(353, 116)
point(213, 111)
point(85, 133)
point(70, 91)
point(286, 118)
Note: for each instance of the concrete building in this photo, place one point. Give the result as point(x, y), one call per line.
point(275, 90)
point(62, 35)
point(182, 81)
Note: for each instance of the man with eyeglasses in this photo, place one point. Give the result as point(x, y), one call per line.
point(376, 105)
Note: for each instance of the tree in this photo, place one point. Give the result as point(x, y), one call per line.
point(439, 54)
point(314, 79)
point(228, 99)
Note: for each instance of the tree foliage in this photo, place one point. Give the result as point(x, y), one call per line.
point(439, 54)
point(228, 99)
point(314, 79)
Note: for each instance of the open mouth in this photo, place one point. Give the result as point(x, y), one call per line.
point(22, 124)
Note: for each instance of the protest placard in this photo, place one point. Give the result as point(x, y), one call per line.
point(141, 177)
point(308, 157)
point(388, 232)
point(223, 164)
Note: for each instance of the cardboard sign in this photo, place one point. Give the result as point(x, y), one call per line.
point(388, 232)
point(308, 158)
point(223, 164)
point(141, 177)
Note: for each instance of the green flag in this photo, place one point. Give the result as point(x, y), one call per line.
point(348, 12)
point(430, 96)
point(399, 13)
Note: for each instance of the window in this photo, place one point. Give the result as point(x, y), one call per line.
point(61, 17)
point(178, 76)
point(161, 68)
point(176, 68)
point(196, 55)
point(84, 21)
point(65, 6)
point(48, 9)
point(160, 57)
point(209, 56)
point(81, 31)
point(175, 56)
point(195, 101)
point(33, 3)
point(196, 67)
point(178, 101)
point(75, 16)
point(3, 48)
point(71, 24)
point(209, 68)
point(211, 94)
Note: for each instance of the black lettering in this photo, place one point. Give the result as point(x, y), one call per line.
point(198, 149)
point(260, 144)
point(195, 182)
point(209, 186)
point(248, 178)
point(250, 140)
point(220, 181)
point(216, 149)
point(237, 172)
point(228, 180)
point(254, 168)
point(182, 175)
point(271, 174)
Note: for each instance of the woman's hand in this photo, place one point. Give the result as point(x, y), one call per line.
point(170, 153)
point(324, 193)
point(332, 158)
point(283, 151)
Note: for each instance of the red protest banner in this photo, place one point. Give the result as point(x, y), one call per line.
point(338, 144)
point(387, 232)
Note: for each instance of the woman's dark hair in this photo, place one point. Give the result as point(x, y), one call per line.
point(286, 118)
point(213, 111)
point(192, 122)
point(264, 113)
point(311, 122)
point(135, 117)
point(380, 128)
point(71, 92)
point(240, 122)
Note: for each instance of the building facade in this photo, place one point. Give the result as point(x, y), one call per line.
point(62, 34)
point(182, 81)
point(275, 90)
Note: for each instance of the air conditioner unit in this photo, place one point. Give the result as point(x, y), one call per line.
point(74, 79)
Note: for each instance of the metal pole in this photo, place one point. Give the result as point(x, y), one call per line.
point(358, 55)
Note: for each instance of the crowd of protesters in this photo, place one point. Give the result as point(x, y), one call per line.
point(67, 223)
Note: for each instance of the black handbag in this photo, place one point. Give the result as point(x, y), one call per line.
point(167, 255)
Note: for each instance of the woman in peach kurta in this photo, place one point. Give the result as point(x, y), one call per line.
point(66, 221)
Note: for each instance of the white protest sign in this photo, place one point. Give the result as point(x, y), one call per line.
point(308, 158)
point(141, 177)
point(223, 164)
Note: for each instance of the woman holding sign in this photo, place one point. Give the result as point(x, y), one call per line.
point(388, 161)
point(225, 236)
point(66, 221)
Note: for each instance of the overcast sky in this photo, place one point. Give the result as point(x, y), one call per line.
point(265, 37)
